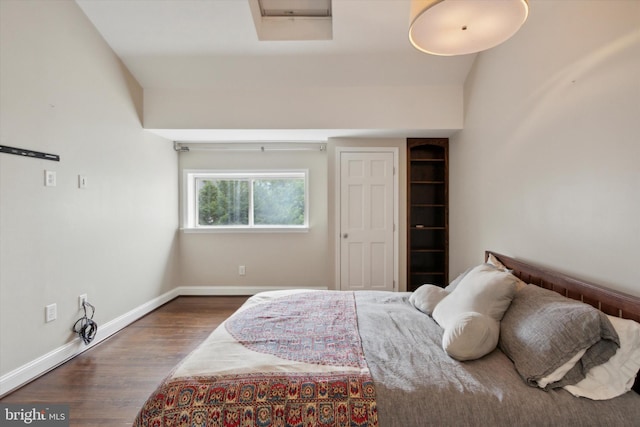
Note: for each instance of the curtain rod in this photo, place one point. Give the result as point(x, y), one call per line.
point(244, 146)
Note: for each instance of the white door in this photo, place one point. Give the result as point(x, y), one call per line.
point(367, 211)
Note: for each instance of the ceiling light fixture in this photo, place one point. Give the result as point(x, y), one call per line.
point(460, 27)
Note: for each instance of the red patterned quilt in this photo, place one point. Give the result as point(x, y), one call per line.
point(263, 400)
point(314, 331)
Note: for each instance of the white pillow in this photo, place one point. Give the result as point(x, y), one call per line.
point(491, 259)
point(616, 376)
point(426, 297)
point(471, 336)
point(562, 370)
point(454, 284)
point(471, 313)
point(484, 290)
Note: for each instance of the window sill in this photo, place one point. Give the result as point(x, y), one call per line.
point(245, 230)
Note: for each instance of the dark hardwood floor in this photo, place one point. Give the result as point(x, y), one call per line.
point(107, 384)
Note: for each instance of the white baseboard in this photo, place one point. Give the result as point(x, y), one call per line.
point(43, 364)
point(233, 290)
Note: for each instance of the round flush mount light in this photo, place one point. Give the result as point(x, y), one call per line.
point(460, 27)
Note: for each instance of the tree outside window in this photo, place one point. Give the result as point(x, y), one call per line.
point(219, 200)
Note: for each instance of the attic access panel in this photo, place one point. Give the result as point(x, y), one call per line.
point(288, 8)
point(292, 20)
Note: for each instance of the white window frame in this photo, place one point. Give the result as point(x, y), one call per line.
point(190, 199)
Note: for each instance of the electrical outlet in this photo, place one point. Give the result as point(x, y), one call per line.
point(81, 300)
point(49, 178)
point(241, 270)
point(51, 312)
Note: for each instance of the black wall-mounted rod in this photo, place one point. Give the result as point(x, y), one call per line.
point(29, 153)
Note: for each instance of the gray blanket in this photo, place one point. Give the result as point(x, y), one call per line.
point(417, 384)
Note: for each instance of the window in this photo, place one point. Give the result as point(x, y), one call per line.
point(220, 200)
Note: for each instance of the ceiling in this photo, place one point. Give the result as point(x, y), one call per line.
point(205, 44)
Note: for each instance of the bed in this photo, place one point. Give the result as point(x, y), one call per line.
point(367, 358)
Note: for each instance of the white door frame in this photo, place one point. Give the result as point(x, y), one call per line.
point(396, 208)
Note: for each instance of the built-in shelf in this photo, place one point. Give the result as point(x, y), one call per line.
point(428, 211)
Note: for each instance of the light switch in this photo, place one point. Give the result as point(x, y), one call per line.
point(82, 181)
point(51, 312)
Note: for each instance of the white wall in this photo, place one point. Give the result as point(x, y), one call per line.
point(366, 107)
point(547, 167)
point(63, 91)
point(279, 259)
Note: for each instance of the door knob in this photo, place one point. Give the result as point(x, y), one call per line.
point(345, 235)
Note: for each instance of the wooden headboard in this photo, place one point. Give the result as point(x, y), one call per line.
point(606, 300)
